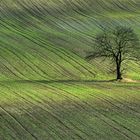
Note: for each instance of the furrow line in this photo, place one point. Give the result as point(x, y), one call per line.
point(103, 117)
point(12, 116)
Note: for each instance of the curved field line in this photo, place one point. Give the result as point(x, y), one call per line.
point(103, 117)
point(43, 44)
point(9, 114)
point(113, 104)
point(41, 106)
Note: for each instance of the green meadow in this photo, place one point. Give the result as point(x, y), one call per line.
point(48, 90)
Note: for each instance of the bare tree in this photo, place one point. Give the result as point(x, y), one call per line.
point(118, 44)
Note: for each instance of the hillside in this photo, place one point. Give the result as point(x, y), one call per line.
point(49, 39)
point(48, 90)
point(41, 110)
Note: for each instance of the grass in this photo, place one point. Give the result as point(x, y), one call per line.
point(69, 110)
point(46, 42)
point(48, 91)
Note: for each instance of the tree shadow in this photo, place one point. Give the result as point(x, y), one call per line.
point(59, 81)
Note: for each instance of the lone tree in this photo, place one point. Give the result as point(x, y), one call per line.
point(118, 44)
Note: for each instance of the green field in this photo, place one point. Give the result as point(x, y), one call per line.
point(48, 91)
point(69, 110)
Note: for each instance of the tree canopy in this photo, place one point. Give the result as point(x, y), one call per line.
point(118, 44)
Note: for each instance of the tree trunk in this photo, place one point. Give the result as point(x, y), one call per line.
point(119, 75)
